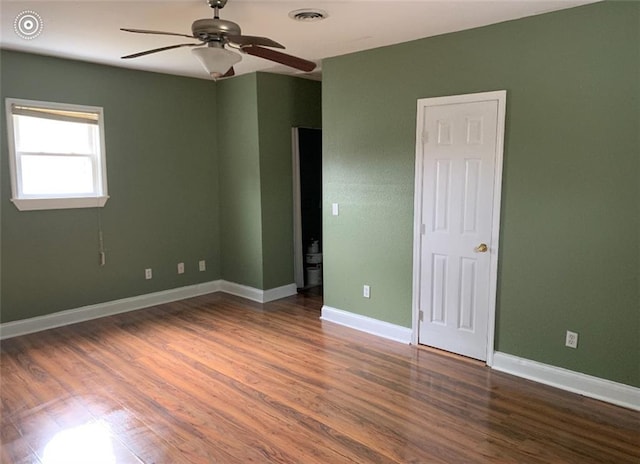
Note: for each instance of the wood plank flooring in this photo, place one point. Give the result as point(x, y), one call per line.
point(218, 379)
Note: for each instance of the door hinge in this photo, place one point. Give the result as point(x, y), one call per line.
point(425, 137)
point(423, 229)
point(421, 316)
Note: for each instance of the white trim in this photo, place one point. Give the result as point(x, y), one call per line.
point(254, 294)
point(33, 204)
point(243, 291)
point(500, 96)
point(366, 324)
point(417, 232)
point(279, 292)
point(109, 308)
point(298, 255)
point(576, 382)
point(86, 313)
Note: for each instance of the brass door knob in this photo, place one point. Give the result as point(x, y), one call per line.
point(482, 248)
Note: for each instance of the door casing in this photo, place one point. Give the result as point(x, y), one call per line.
point(500, 96)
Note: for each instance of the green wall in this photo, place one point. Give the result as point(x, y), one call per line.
point(256, 113)
point(283, 103)
point(569, 252)
point(240, 201)
point(163, 183)
point(196, 170)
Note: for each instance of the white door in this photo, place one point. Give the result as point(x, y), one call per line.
point(459, 154)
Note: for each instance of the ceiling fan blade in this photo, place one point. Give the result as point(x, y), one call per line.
point(279, 57)
point(161, 49)
point(230, 73)
point(247, 40)
point(144, 31)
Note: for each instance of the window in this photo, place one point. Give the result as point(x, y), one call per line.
point(56, 155)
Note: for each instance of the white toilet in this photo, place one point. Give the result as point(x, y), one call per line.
point(313, 264)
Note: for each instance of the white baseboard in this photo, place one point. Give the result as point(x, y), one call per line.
point(280, 292)
point(576, 382)
point(86, 313)
point(254, 294)
point(366, 324)
point(109, 308)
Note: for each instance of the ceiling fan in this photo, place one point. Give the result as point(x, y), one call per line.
point(217, 33)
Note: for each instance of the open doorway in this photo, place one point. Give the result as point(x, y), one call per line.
point(307, 206)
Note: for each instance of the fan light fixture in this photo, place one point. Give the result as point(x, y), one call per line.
point(217, 33)
point(216, 60)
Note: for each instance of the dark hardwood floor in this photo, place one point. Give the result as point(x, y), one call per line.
point(218, 379)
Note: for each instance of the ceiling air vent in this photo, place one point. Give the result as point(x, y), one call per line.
point(308, 15)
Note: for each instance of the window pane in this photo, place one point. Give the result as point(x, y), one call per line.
point(50, 175)
point(38, 135)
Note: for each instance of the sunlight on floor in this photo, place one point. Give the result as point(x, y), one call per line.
point(88, 443)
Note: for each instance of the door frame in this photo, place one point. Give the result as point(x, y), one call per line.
point(501, 97)
point(298, 260)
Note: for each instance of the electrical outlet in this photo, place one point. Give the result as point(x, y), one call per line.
point(180, 268)
point(148, 274)
point(335, 209)
point(366, 291)
point(202, 265)
point(571, 340)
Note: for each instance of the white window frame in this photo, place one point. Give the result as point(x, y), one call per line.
point(57, 201)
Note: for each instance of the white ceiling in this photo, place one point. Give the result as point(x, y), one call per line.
point(89, 29)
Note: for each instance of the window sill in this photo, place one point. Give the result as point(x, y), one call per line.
point(33, 204)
